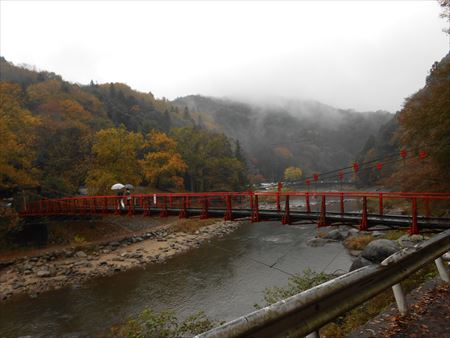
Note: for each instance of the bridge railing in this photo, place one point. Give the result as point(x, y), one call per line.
point(317, 205)
point(308, 311)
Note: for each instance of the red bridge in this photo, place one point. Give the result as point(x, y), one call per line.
point(364, 209)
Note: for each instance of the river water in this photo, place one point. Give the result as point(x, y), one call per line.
point(224, 278)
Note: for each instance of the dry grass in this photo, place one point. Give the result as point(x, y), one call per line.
point(370, 309)
point(358, 242)
point(191, 225)
point(393, 235)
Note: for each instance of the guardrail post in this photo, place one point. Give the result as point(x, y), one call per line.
point(170, 201)
point(400, 299)
point(308, 205)
point(183, 212)
point(363, 225)
point(279, 187)
point(255, 209)
point(380, 204)
point(286, 219)
point(204, 214)
point(442, 269)
point(414, 228)
point(341, 198)
point(322, 221)
point(229, 211)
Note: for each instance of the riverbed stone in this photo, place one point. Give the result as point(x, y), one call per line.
point(407, 241)
point(337, 235)
point(379, 249)
point(44, 273)
point(315, 242)
point(360, 262)
point(80, 254)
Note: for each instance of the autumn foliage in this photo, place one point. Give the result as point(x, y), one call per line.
point(56, 137)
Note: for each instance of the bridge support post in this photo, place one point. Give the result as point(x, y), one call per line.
point(308, 205)
point(183, 212)
point(380, 204)
point(442, 269)
point(204, 214)
point(146, 208)
point(255, 208)
point(322, 221)
point(279, 187)
point(426, 201)
point(229, 210)
point(164, 212)
point(414, 228)
point(341, 200)
point(286, 219)
point(130, 204)
point(117, 206)
point(400, 299)
point(94, 206)
point(363, 225)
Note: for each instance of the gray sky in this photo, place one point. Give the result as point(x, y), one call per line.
point(360, 55)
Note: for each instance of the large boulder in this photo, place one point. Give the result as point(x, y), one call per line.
point(337, 235)
point(359, 263)
point(379, 249)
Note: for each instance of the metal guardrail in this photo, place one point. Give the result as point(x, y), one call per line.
point(308, 311)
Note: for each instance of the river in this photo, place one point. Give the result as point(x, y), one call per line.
point(224, 278)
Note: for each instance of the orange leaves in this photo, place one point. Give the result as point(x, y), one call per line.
point(283, 152)
point(162, 163)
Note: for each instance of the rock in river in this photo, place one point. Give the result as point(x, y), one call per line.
point(379, 249)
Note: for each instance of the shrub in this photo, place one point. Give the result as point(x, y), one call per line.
point(164, 324)
point(296, 284)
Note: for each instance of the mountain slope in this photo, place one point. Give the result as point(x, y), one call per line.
point(311, 135)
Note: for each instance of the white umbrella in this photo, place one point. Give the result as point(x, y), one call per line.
point(117, 186)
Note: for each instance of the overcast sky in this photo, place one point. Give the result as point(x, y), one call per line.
point(359, 55)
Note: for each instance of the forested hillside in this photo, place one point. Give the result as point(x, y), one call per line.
point(305, 134)
point(57, 136)
point(422, 130)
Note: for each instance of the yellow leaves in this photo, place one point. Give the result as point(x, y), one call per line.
point(16, 138)
point(163, 163)
point(115, 159)
point(292, 173)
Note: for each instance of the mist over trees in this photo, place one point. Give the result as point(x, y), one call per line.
point(91, 135)
point(422, 129)
point(305, 134)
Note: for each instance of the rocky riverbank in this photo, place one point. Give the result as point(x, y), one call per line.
point(60, 268)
